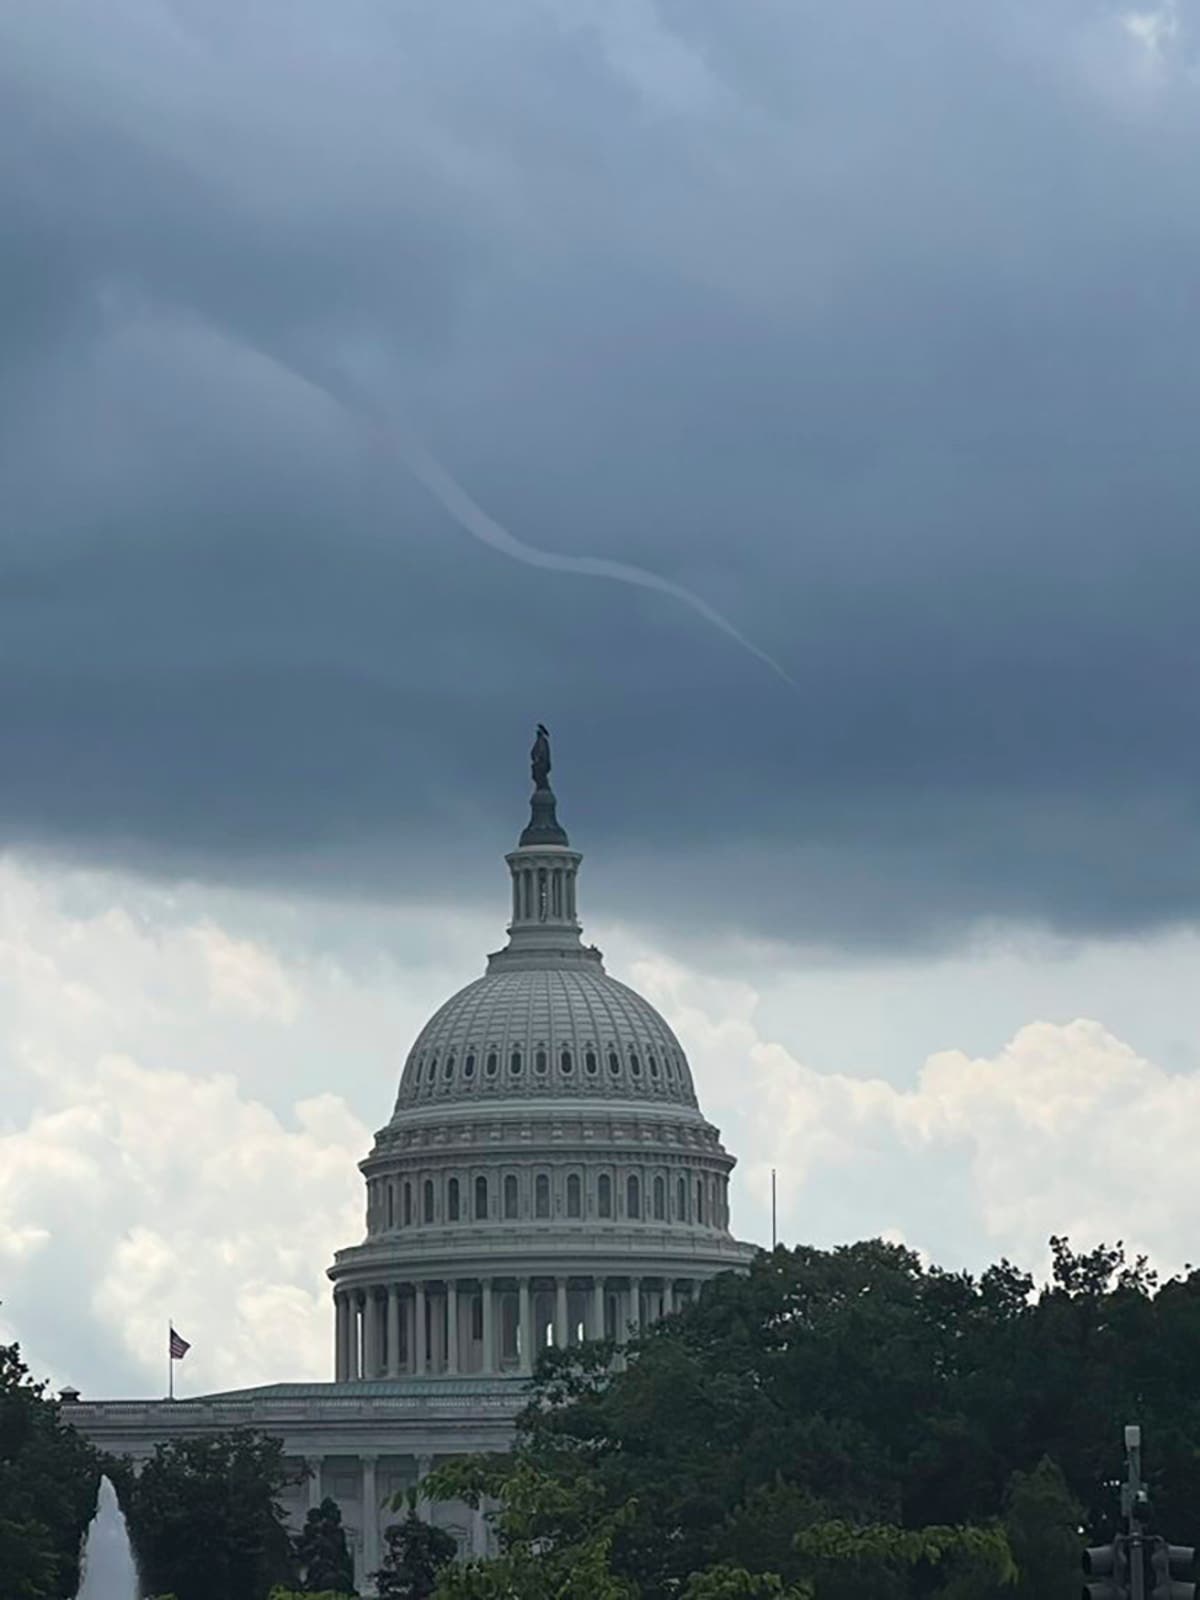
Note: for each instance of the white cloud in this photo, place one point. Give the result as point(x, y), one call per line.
point(1066, 1129)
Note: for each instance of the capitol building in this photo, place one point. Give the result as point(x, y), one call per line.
point(546, 1176)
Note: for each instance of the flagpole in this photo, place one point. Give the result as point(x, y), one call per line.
point(170, 1363)
point(774, 1234)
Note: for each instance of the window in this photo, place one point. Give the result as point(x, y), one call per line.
point(681, 1201)
point(566, 1063)
point(539, 1061)
point(514, 1063)
point(635, 1065)
point(660, 1199)
point(590, 1062)
point(431, 1073)
point(541, 1196)
point(670, 1066)
point(574, 1196)
point(652, 1062)
point(452, 1200)
point(542, 903)
point(493, 1062)
point(408, 1205)
point(633, 1197)
point(510, 1197)
point(428, 1199)
point(614, 1063)
point(481, 1200)
point(604, 1195)
point(448, 1069)
point(700, 1201)
point(391, 1194)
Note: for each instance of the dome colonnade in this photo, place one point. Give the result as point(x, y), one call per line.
point(547, 1175)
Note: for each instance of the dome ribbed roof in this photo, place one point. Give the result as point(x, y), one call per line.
point(546, 1031)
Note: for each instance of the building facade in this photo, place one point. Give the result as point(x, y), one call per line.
point(546, 1177)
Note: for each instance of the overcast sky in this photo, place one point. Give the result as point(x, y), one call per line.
point(791, 405)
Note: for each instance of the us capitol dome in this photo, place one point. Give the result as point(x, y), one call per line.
point(546, 1177)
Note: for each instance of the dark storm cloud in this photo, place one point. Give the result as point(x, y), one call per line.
point(876, 331)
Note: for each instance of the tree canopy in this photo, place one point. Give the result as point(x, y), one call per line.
point(48, 1478)
point(852, 1421)
point(205, 1518)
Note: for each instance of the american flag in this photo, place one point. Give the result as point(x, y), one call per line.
point(179, 1346)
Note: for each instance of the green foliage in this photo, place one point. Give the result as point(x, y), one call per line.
point(326, 1565)
point(851, 1422)
point(416, 1554)
point(205, 1518)
point(1042, 1518)
point(278, 1593)
point(48, 1479)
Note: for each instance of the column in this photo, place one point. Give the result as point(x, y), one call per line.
point(489, 1331)
point(635, 1307)
point(340, 1338)
point(562, 1334)
point(421, 1329)
point(597, 1329)
point(526, 1325)
point(424, 1466)
point(393, 1330)
point(452, 1326)
point(668, 1297)
point(370, 1516)
point(370, 1335)
point(410, 1326)
point(313, 1463)
point(355, 1368)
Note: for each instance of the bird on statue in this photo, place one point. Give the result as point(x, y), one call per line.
point(539, 758)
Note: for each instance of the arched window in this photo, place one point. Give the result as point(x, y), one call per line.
point(614, 1063)
point(700, 1218)
point(633, 1197)
point(448, 1069)
point(541, 1196)
point(452, 1200)
point(660, 1199)
point(431, 1074)
point(604, 1195)
point(391, 1194)
point(407, 1204)
point(590, 1062)
point(566, 1063)
point(574, 1196)
point(514, 1063)
point(511, 1198)
point(469, 1065)
point(493, 1062)
point(481, 1200)
point(635, 1064)
point(652, 1062)
point(681, 1201)
point(428, 1199)
point(539, 1061)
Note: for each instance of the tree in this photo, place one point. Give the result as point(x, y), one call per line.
point(416, 1553)
point(205, 1519)
point(1042, 1518)
point(48, 1479)
point(321, 1554)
